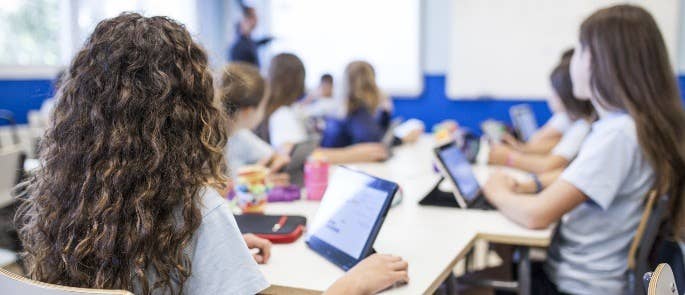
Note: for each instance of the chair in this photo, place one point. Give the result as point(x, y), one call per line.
point(645, 238)
point(13, 284)
point(10, 168)
point(661, 281)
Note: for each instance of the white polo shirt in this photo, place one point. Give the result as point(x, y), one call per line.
point(589, 253)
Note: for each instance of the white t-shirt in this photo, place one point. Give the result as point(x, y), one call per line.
point(245, 148)
point(286, 127)
point(560, 122)
point(589, 253)
point(221, 262)
point(322, 107)
point(569, 145)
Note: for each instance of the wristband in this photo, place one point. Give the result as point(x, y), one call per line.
point(510, 159)
point(538, 184)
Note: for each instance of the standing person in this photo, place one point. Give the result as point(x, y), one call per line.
point(126, 196)
point(621, 64)
point(245, 48)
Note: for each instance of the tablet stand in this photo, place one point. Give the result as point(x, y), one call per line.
point(436, 197)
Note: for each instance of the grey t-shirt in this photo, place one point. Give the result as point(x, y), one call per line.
point(589, 252)
point(245, 148)
point(221, 262)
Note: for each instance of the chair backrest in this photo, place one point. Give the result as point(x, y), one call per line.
point(661, 281)
point(645, 237)
point(10, 161)
point(13, 284)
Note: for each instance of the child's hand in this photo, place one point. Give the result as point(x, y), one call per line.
point(499, 154)
point(374, 274)
point(262, 245)
point(498, 184)
point(278, 179)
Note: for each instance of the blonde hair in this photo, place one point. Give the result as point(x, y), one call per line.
point(362, 91)
point(242, 86)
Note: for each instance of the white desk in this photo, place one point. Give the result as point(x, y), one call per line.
point(431, 239)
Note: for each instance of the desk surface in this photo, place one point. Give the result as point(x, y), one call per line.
point(431, 239)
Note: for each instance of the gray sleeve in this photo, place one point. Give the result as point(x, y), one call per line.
point(602, 166)
point(221, 262)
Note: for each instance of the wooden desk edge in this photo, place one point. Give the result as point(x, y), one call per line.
point(283, 290)
point(445, 273)
point(514, 240)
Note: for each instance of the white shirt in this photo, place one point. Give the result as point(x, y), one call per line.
point(286, 127)
point(560, 122)
point(570, 143)
point(245, 148)
point(589, 252)
point(221, 262)
point(322, 107)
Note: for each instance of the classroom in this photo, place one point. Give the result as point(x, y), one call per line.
point(532, 147)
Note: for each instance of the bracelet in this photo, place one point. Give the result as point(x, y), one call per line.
point(510, 159)
point(538, 184)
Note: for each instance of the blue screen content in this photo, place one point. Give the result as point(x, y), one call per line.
point(461, 172)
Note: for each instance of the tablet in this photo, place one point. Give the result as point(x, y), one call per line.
point(389, 136)
point(350, 216)
point(298, 157)
point(524, 121)
point(458, 171)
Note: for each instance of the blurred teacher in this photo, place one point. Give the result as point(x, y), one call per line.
point(245, 48)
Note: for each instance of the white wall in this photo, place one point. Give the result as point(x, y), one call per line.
point(435, 32)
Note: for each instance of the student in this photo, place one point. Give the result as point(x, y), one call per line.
point(242, 94)
point(622, 65)
point(126, 196)
point(321, 103)
point(545, 139)
point(282, 127)
point(365, 117)
point(581, 112)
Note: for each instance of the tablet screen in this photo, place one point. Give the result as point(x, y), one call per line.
point(350, 213)
point(460, 171)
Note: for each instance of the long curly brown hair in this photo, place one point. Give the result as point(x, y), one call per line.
point(135, 136)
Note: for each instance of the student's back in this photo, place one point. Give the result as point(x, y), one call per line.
point(361, 124)
point(621, 65)
point(124, 198)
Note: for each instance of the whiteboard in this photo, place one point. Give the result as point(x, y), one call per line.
point(506, 49)
point(328, 34)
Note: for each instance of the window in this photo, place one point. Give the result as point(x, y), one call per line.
point(29, 32)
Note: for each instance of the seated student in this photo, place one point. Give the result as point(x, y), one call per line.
point(126, 196)
point(544, 140)
point(282, 127)
point(364, 99)
point(621, 64)
point(321, 103)
point(580, 111)
point(241, 94)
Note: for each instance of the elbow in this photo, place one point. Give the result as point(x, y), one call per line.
point(537, 221)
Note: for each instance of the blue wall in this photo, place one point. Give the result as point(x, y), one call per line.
point(432, 106)
point(20, 96)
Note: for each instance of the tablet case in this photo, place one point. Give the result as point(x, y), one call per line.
point(279, 229)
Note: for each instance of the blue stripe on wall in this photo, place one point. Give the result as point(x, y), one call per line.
point(20, 96)
point(432, 106)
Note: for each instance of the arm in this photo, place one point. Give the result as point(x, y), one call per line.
point(372, 275)
point(535, 145)
point(503, 155)
point(546, 179)
point(532, 211)
point(362, 152)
